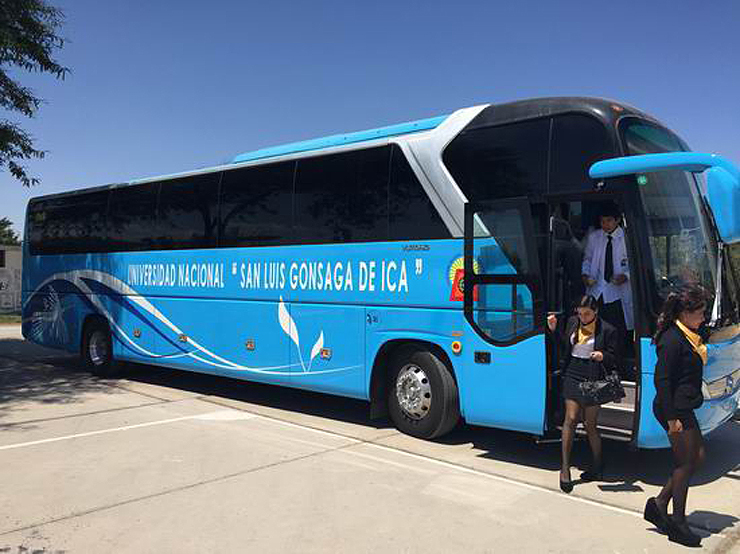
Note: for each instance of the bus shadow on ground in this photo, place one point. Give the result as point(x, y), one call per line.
point(273, 396)
point(625, 467)
point(627, 470)
point(32, 374)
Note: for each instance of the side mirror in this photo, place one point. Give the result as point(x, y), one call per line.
point(724, 198)
point(723, 181)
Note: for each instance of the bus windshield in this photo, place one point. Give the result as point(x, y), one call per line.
point(682, 247)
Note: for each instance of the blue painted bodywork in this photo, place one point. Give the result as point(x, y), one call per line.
point(696, 162)
point(343, 139)
point(723, 181)
point(311, 317)
point(315, 317)
point(724, 198)
point(723, 359)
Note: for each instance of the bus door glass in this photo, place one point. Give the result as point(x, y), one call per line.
point(562, 260)
point(503, 304)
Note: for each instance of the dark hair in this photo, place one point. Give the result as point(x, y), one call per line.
point(687, 298)
point(587, 301)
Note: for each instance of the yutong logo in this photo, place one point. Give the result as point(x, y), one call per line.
point(416, 248)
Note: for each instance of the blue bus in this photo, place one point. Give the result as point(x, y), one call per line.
point(411, 266)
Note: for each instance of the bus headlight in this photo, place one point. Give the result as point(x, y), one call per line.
point(719, 388)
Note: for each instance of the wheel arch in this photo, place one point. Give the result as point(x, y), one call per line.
point(380, 368)
point(89, 320)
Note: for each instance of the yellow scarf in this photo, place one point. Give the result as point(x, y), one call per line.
point(585, 332)
point(695, 340)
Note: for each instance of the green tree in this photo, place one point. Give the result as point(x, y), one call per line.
point(7, 235)
point(28, 39)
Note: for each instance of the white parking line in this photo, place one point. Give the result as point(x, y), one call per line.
point(221, 415)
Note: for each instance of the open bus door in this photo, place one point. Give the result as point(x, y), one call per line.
point(503, 304)
point(564, 284)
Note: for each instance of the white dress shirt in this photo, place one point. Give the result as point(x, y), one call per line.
point(582, 351)
point(593, 267)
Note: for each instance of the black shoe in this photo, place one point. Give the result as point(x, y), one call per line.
point(594, 474)
point(680, 533)
point(566, 486)
point(653, 514)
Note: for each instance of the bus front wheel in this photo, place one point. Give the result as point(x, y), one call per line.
point(422, 394)
point(97, 349)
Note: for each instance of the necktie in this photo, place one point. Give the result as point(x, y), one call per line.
point(608, 261)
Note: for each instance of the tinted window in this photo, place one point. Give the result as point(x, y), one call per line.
point(641, 137)
point(578, 141)
point(500, 162)
point(342, 197)
point(412, 215)
point(69, 224)
point(257, 205)
point(373, 178)
point(35, 224)
point(188, 212)
point(132, 217)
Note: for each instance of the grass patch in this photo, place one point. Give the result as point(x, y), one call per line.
point(8, 319)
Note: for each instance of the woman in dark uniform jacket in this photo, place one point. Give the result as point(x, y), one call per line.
point(586, 347)
point(678, 379)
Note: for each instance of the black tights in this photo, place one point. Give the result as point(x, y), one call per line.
point(572, 416)
point(688, 455)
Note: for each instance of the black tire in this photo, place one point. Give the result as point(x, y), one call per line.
point(97, 349)
point(433, 408)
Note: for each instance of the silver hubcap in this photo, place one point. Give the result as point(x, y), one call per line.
point(98, 348)
point(414, 392)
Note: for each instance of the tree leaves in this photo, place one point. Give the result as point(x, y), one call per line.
point(7, 235)
point(16, 144)
point(28, 39)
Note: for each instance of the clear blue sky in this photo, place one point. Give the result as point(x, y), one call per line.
point(161, 87)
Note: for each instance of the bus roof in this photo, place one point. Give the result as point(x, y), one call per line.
point(493, 114)
point(340, 140)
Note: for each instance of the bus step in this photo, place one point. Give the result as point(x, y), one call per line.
point(623, 435)
point(630, 390)
point(618, 407)
point(617, 418)
point(607, 432)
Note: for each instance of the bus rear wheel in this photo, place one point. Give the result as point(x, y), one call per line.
point(422, 394)
point(97, 349)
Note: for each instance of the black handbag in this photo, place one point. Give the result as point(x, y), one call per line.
point(601, 391)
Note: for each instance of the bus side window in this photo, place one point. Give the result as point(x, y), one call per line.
point(69, 224)
point(257, 205)
point(504, 161)
point(412, 215)
point(188, 212)
point(578, 141)
point(132, 215)
point(342, 197)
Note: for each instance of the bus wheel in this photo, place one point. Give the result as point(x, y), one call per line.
point(422, 394)
point(97, 349)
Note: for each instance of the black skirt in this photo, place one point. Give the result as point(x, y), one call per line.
point(687, 417)
point(578, 371)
